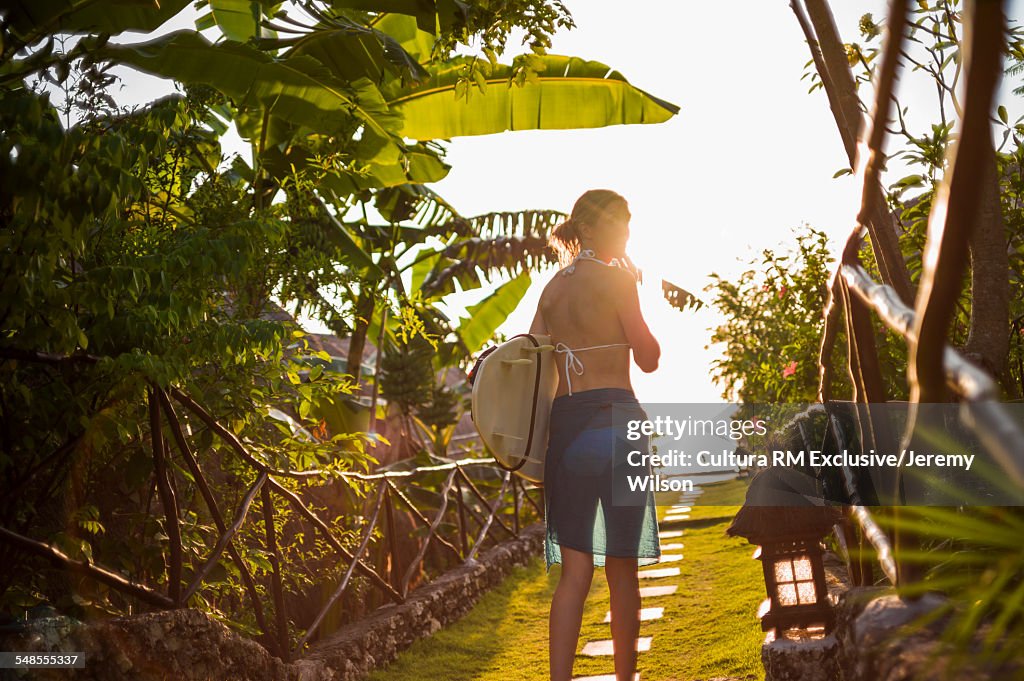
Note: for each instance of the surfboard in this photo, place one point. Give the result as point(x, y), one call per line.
point(514, 385)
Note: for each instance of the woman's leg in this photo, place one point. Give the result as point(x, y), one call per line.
point(624, 589)
point(567, 611)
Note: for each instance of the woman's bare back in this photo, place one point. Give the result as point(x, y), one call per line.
point(580, 310)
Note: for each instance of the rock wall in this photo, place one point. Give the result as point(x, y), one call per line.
point(172, 644)
point(871, 642)
point(377, 639)
point(186, 645)
point(876, 642)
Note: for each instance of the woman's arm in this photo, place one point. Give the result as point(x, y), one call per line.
point(646, 350)
point(539, 326)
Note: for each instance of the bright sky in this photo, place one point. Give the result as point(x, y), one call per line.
point(749, 157)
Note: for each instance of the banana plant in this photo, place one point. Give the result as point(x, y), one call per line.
point(564, 93)
point(351, 93)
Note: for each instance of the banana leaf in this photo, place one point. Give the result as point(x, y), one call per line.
point(402, 29)
point(473, 257)
point(300, 89)
point(348, 245)
point(421, 168)
point(424, 265)
point(486, 316)
point(351, 52)
point(37, 18)
point(429, 210)
point(238, 20)
point(430, 15)
point(680, 298)
point(568, 93)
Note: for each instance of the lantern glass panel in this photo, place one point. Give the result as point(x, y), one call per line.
point(802, 567)
point(784, 571)
point(787, 594)
point(805, 590)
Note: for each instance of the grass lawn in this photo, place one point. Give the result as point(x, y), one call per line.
point(710, 626)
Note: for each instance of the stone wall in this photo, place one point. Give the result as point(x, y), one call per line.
point(377, 639)
point(173, 644)
point(186, 645)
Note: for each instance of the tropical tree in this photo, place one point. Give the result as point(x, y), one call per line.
point(968, 552)
point(140, 264)
point(933, 52)
point(779, 300)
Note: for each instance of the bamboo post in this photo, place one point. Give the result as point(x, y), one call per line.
point(280, 617)
point(112, 579)
point(211, 504)
point(297, 504)
point(389, 516)
point(167, 500)
point(422, 518)
point(464, 541)
point(356, 558)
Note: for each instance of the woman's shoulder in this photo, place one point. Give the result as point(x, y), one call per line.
point(613, 279)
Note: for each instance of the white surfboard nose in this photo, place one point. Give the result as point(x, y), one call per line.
point(513, 388)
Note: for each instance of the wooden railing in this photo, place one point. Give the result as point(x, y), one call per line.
point(389, 491)
point(857, 493)
point(854, 297)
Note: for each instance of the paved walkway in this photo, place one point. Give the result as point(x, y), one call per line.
point(698, 611)
point(671, 551)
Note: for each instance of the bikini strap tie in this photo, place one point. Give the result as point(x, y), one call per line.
point(588, 254)
point(571, 360)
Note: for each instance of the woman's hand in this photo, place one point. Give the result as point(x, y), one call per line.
point(628, 265)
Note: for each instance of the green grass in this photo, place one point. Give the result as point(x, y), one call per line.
point(709, 628)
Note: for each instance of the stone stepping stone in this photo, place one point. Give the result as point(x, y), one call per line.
point(670, 558)
point(643, 644)
point(671, 547)
point(675, 518)
point(651, 591)
point(681, 509)
point(645, 614)
point(657, 573)
point(671, 534)
point(603, 677)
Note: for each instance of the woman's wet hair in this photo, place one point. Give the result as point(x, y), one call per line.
point(590, 208)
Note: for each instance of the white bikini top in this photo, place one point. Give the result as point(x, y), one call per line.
point(572, 360)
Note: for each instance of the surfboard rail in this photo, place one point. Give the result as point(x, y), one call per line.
point(514, 384)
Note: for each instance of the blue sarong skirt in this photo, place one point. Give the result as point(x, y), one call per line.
point(588, 502)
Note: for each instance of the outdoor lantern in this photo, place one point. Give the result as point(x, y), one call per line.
point(794, 577)
point(789, 548)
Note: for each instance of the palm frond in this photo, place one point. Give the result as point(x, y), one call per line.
point(974, 557)
point(679, 298)
point(466, 259)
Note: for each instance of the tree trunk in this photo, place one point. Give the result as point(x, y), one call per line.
point(357, 341)
point(988, 344)
point(829, 55)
